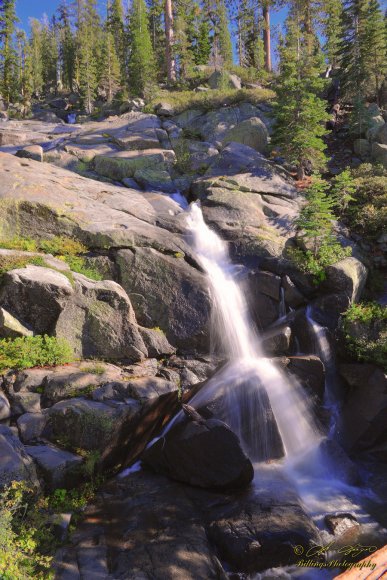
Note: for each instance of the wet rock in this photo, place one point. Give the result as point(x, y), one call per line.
point(31, 426)
point(343, 526)
point(16, 464)
point(31, 152)
point(337, 464)
point(277, 340)
point(58, 468)
point(293, 297)
point(267, 283)
point(310, 371)
point(203, 453)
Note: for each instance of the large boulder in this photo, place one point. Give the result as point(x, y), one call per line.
point(251, 132)
point(203, 453)
point(15, 463)
point(163, 295)
point(96, 318)
point(347, 276)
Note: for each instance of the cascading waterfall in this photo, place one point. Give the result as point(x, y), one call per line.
point(323, 350)
point(250, 385)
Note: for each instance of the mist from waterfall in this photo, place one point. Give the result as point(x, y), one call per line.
point(250, 388)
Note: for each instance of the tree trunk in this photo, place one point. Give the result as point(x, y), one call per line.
point(267, 36)
point(171, 70)
point(300, 171)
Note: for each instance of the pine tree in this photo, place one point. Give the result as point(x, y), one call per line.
point(315, 221)
point(88, 52)
point(115, 26)
point(223, 36)
point(67, 47)
point(182, 47)
point(36, 57)
point(169, 41)
point(49, 56)
point(354, 76)
point(375, 41)
point(331, 20)
point(203, 47)
point(111, 77)
point(8, 57)
point(300, 113)
point(141, 59)
point(24, 66)
point(157, 32)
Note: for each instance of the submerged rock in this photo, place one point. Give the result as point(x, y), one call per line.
point(203, 453)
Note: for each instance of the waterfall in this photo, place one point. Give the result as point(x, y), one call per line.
point(322, 349)
point(251, 386)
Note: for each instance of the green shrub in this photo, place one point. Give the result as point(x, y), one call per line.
point(34, 351)
point(364, 327)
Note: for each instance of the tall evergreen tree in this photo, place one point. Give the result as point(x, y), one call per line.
point(36, 57)
point(115, 27)
point(331, 19)
point(49, 55)
point(8, 56)
point(157, 32)
point(203, 47)
point(375, 40)
point(110, 81)
point(169, 41)
point(24, 65)
point(362, 50)
point(67, 46)
point(223, 36)
point(300, 112)
point(88, 49)
point(141, 59)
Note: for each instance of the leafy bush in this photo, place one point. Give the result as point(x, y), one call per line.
point(364, 327)
point(62, 246)
point(206, 101)
point(31, 351)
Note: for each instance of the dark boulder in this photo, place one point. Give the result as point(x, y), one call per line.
point(203, 453)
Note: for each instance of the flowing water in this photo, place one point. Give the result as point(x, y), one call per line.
point(250, 384)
